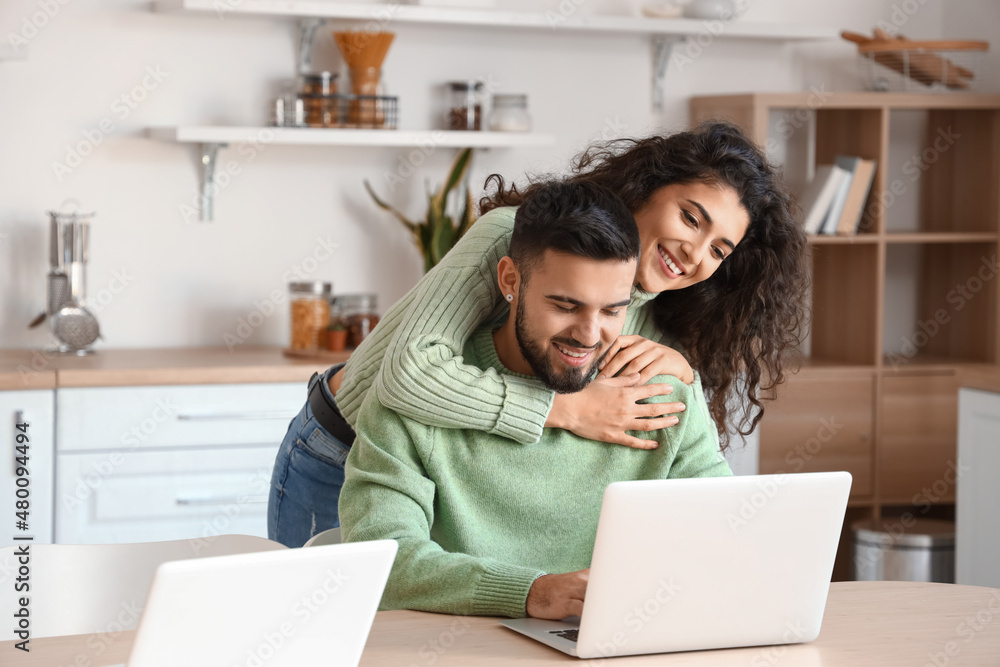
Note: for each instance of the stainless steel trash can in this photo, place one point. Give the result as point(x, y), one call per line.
point(904, 549)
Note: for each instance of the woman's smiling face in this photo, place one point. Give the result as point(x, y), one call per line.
point(687, 231)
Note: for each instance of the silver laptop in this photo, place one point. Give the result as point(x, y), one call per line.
point(691, 564)
point(286, 608)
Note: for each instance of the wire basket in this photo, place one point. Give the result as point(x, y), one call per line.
point(904, 66)
point(373, 112)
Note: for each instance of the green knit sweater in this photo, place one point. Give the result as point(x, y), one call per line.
point(413, 357)
point(479, 517)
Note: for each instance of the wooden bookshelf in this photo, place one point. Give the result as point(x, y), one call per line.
point(925, 273)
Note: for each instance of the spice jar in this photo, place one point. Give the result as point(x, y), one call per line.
point(359, 315)
point(510, 114)
point(465, 103)
point(310, 310)
point(318, 92)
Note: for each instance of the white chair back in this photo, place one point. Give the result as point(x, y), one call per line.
point(329, 536)
point(78, 589)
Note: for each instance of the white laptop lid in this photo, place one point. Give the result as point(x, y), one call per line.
point(689, 564)
point(286, 608)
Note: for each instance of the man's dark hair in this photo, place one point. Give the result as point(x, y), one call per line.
point(581, 219)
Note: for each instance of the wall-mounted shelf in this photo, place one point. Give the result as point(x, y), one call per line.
point(210, 139)
point(664, 33)
point(309, 136)
point(8, 52)
point(386, 14)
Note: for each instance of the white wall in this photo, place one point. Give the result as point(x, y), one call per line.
point(188, 283)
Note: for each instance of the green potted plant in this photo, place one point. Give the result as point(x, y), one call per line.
point(438, 232)
point(336, 337)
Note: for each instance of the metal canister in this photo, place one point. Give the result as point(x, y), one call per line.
point(914, 549)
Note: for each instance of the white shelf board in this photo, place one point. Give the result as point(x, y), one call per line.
point(7, 52)
point(209, 134)
point(387, 14)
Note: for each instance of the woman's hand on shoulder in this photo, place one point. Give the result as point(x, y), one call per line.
point(609, 407)
point(635, 354)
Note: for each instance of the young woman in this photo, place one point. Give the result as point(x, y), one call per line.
point(721, 276)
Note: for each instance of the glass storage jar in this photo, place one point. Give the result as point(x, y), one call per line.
point(510, 114)
point(318, 92)
point(465, 105)
point(310, 310)
point(359, 315)
point(319, 83)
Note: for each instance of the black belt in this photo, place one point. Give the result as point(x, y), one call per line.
point(328, 416)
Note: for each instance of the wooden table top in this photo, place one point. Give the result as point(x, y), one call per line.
point(866, 623)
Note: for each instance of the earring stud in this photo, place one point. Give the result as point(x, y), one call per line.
point(510, 297)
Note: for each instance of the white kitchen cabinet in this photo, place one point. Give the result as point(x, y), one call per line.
point(36, 409)
point(152, 495)
point(167, 462)
point(977, 528)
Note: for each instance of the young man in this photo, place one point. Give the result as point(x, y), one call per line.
point(490, 527)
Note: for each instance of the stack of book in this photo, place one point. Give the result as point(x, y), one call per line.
point(834, 201)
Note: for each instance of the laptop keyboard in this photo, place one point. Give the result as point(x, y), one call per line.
point(571, 635)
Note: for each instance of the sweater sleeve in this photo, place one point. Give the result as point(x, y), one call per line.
point(387, 495)
point(694, 437)
point(418, 370)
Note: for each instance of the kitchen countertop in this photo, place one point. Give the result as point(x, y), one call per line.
point(35, 369)
point(22, 370)
point(984, 378)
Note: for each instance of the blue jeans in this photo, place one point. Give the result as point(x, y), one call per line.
point(307, 478)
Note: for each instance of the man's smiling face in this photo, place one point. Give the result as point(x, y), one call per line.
point(569, 311)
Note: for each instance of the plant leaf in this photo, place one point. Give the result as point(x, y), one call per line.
point(381, 204)
point(443, 239)
point(468, 215)
point(458, 169)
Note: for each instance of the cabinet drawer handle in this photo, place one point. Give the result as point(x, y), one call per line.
point(219, 416)
point(220, 500)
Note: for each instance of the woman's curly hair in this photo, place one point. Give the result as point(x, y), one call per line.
point(739, 326)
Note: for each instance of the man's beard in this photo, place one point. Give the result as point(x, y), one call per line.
point(571, 380)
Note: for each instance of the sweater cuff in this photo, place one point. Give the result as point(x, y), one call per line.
point(525, 408)
point(503, 590)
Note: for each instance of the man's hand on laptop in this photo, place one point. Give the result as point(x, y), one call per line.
point(556, 596)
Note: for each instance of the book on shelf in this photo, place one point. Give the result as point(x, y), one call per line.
point(835, 198)
point(819, 194)
point(862, 174)
point(837, 205)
